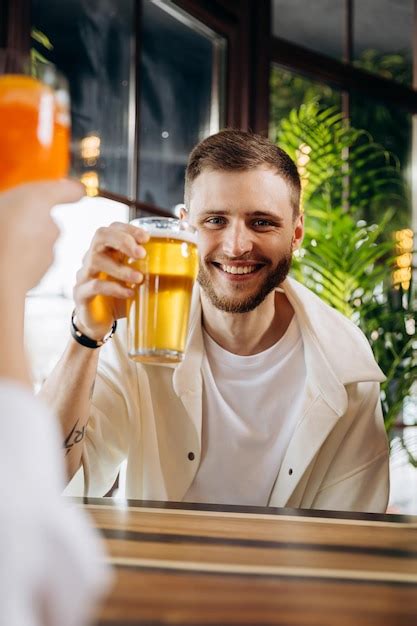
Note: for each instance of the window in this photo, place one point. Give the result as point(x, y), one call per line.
point(315, 25)
point(91, 44)
point(391, 127)
point(181, 102)
point(377, 40)
point(289, 90)
point(383, 38)
point(113, 52)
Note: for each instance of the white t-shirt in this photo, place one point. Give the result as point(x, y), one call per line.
point(51, 563)
point(251, 406)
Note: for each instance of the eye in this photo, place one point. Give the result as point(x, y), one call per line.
point(262, 223)
point(215, 221)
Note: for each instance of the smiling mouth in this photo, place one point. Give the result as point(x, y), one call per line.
point(238, 269)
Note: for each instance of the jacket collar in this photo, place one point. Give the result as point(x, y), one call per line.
point(336, 351)
point(339, 341)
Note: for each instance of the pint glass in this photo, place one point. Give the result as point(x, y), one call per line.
point(34, 120)
point(157, 316)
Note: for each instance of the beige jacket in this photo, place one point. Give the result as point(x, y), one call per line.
point(151, 415)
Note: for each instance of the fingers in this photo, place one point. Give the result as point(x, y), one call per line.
point(119, 237)
point(124, 238)
point(140, 235)
point(104, 270)
point(94, 287)
point(101, 262)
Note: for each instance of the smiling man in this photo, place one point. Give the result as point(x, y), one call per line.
point(277, 399)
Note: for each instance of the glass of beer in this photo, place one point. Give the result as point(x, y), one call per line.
point(157, 316)
point(34, 120)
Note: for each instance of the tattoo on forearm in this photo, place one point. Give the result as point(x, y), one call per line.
point(75, 436)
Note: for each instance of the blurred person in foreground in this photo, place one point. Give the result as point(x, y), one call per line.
point(50, 570)
point(276, 402)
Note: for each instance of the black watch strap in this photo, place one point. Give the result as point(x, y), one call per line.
point(86, 341)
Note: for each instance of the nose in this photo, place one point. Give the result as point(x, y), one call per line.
point(237, 241)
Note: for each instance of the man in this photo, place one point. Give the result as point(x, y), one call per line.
point(277, 399)
point(49, 566)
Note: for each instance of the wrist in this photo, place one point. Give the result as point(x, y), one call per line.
point(92, 333)
point(86, 340)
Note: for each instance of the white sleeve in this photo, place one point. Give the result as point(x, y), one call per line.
point(107, 438)
point(52, 564)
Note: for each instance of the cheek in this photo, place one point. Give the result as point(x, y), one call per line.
point(207, 244)
point(203, 253)
point(277, 249)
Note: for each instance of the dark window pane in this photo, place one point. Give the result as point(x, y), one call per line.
point(289, 91)
point(91, 43)
point(383, 38)
point(391, 128)
point(181, 93)
point(316, 25)
point(379, 147)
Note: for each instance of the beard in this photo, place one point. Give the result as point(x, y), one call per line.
point(272, 280)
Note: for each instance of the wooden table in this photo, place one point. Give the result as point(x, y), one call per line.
point(194, 565)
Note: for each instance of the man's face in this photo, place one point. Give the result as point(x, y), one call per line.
point(246, 235)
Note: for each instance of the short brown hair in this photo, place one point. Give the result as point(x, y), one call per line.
point(232, 149)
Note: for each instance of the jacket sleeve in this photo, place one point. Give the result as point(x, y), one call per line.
point(357, 478)
point(107, 438)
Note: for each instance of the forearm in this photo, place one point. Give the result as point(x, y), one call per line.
point(13, 362)
point(68, 391)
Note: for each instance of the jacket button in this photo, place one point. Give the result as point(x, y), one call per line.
point(290, 471)
point(191, 456)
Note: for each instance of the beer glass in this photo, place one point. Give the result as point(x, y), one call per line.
point(34, 120)
point(157, 315)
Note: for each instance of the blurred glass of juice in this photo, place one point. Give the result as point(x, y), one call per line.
point(34, 129)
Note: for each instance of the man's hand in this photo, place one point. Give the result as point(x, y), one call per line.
point(105, 274)
point(28, 232)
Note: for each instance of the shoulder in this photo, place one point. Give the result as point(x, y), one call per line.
point(343, 343)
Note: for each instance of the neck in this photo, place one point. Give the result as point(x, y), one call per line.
point(248, 333)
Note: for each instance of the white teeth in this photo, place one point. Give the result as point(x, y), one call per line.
point(232, 269)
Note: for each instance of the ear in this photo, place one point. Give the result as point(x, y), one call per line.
point(183, 213)
point(298, 232)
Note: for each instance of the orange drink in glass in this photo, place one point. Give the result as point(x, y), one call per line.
point(34, 121)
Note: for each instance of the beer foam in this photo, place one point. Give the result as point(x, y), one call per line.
point(167, 233)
